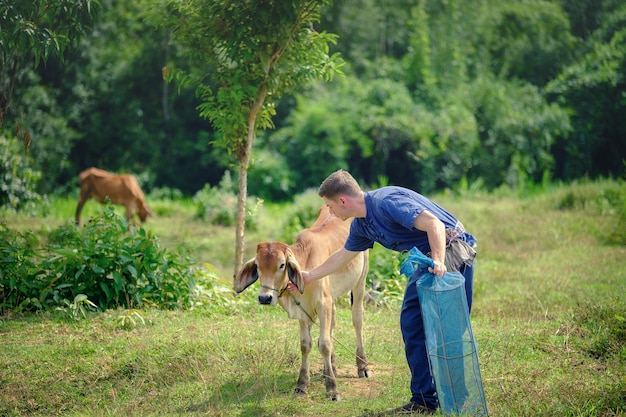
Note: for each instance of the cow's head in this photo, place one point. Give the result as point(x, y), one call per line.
point(274, 266)
point(143, 211)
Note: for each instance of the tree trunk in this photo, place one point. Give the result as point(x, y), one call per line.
point(8, 86)
point(241, 209)
point(244, 163)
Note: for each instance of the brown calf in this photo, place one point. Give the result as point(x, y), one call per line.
point(276, 264)
point(120, 189)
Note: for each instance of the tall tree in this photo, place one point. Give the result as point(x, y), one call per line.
point(32, 30)
point(594, 91)
point(256, 51)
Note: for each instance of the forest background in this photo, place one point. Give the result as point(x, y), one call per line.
point(436, 95)
point(478, 97)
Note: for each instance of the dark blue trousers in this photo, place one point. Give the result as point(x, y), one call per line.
point(422, 384)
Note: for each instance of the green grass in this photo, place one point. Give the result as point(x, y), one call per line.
point(549, 309)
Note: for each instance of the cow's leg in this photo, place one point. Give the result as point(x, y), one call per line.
point(305, 349)
point(84, 196)
point(325, 345)
point(129, 213)
point(332, 332)
point(358, 293)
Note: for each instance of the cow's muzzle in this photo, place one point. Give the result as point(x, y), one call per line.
point(266, 296)
point(265, 299)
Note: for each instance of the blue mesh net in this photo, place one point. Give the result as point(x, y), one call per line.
point(450, 342)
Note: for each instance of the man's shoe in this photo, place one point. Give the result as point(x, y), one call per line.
point(411, 408)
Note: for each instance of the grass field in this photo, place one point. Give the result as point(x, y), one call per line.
point(549, 318)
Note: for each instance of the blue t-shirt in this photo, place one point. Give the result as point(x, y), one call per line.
point(391, 212)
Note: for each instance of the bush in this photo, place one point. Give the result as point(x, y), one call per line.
point(18, 258)
point(165, 193)
point(110, 265)
point(218, 205)
point(115, 267)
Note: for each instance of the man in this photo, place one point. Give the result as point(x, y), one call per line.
point(399, 219)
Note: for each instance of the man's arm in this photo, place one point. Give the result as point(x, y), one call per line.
point(335, 261)
point(436, 232)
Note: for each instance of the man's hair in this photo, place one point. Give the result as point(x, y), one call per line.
point(338, 183)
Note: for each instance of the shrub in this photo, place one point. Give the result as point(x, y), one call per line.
point(18, 258)
point(115, 267)
point(218, 205)
point(104, 262)
point(165, 193)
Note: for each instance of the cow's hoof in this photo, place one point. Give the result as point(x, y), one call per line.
point(333, 396)
point(300, 392)
point(364, 373)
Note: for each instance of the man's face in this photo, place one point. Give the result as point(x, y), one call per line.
point(338, 207)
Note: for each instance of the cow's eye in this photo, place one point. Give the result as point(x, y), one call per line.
point(282, 266)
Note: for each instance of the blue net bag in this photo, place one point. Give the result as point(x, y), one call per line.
point(452, 350)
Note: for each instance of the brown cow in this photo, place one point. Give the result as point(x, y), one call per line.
point(276, 264)
point(120, 189)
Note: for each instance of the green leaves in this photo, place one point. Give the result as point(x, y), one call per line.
point(105, 263)
point(18, 178)
point(79, 308)
point(258, 51)
point(36, 29)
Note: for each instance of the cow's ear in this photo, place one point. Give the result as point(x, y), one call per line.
point(294, 272)
point(246, 276)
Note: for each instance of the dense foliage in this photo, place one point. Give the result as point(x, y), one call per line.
point(103, 263)
point(18, 179)
point(217, 205)
point(31, 32)
point(435, 93)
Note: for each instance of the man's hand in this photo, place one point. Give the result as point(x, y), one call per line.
point(292, 288)
point(439, 269)
point(305, 279)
